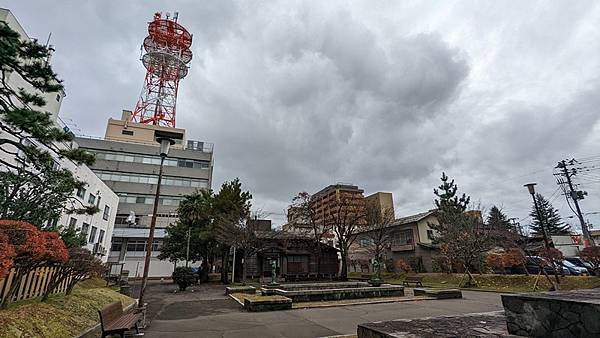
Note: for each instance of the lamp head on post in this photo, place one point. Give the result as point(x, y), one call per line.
point(530, 187)
point(165, 144)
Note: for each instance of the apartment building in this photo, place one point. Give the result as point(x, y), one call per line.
point(97, 228)
point(128, 161)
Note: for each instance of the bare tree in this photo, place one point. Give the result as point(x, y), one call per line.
point(303, 217)
point(347, 219)
point(378, 233)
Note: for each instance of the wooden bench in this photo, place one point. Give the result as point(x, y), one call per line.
point(417, 280)
point(114, 321)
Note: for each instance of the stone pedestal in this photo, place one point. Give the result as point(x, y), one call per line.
point(554, 314)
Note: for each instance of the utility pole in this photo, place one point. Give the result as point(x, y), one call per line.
point(187, 250)
point(575, 196)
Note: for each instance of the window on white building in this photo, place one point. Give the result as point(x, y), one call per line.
point(72, 222)
point(106, 213)
point(92, 234)
point(81, 193)
point(85, 228)
point(101, 236)
point(92, 199)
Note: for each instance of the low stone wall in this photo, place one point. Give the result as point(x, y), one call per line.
point(438, 293)
point(314, 286)
point(240, 289)
point(554, 314)
point(267, 305)
point(322, 294)
point(489, 324)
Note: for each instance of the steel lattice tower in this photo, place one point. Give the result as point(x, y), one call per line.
point(167, 53)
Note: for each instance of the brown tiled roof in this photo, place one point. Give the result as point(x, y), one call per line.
point(412, 218)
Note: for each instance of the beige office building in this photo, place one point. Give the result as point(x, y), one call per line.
point(128, 161)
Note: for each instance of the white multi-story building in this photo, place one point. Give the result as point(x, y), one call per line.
point(97, 228)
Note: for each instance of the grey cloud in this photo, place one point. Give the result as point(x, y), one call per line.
point(298, 95)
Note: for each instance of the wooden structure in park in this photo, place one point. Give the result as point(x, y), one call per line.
point(295, 258)
point(31, 285)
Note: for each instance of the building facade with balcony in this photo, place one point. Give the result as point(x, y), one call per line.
point(128, 161)
point(411, 240)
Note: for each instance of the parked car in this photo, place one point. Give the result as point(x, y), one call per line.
point(533, 266)
point(581, 263)
point(574, 269)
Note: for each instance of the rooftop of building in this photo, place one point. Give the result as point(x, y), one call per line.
point(413, 218)
point(192, 145)
point(339, 186)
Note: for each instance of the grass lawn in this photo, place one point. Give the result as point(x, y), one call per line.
point(61, 315)
point(492, 282)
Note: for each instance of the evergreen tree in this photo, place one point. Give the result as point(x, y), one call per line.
point(196, 216)
point(34, 190)
point(450, 206)
point(231, 207)
point(462, 239)
point(497, 220)
point(549, 218)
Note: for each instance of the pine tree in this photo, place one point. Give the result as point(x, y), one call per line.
point(497, 220)
point(34, 190)
point(449, 205)
point(459, 233)
point(549, 218)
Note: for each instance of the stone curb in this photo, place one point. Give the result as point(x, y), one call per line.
point(493, 291)
point(382, 301)
point(237, 300)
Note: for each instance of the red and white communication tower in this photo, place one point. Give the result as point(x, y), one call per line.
point(167, 53)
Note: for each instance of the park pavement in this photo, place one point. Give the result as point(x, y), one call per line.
point(206, 312)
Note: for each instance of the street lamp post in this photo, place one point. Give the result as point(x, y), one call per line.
point(531, 188)
point(165, 144)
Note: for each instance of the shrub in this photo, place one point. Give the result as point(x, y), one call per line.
point(592, 255)
point(28, 248)
point(400, 265)
point(183, 277)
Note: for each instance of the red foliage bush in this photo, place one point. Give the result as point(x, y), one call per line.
point(7, 255)
point(551, 255)
point(401, 265)
point(592, 255)
point(495, 261)
point(506, 259)
point(29, 247)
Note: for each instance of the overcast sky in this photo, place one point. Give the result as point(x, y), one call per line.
point(383, 94)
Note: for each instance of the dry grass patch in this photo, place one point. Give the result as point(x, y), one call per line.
point(61, 315)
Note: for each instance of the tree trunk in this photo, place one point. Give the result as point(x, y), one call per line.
point(225, 266)
point(344, 272)
point(319, 253)
point(72, 284)
point(56, 279)
point(525, 267)
point(204, 267)
point(244, 264)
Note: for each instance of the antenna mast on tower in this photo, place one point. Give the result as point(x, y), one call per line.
point(167, 53)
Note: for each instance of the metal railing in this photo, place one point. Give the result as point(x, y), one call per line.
point(204, 147)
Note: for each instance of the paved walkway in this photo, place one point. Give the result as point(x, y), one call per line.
point(207, 313)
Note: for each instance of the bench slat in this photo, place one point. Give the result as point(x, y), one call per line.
point(127, 321)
